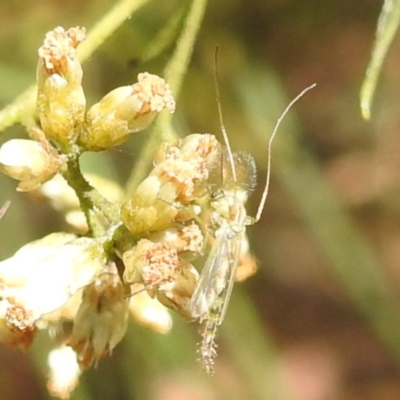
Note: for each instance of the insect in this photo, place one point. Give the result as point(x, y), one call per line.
point(210, 299)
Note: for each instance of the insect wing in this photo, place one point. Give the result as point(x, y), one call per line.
point(233, 252)
point(213, 276)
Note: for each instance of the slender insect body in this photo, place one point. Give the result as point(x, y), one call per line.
point(211, 297)
point(229, 218)
point(208, 347)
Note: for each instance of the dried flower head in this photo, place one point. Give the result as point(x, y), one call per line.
point(179, 177)
point(59, 47)
point(17, 325)
point(177, 294)
point(188, 164)
point(152, 264)
point(101, 321)
point(60, 101)
point(184, 238)
point(125, 110)
point(153, 93)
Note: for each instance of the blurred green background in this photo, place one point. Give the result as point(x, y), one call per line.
point(321, 318)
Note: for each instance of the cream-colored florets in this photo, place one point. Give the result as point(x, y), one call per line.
point(161, 264)
point(154, 93)
point(135, 257)
point(193, 238)
point(59, 45)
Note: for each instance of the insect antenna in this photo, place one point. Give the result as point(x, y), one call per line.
point(221, 119)
point(280, 119)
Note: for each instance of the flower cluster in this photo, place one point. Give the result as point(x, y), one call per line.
point(132, 257)
point(163, 214)
point(65, 125)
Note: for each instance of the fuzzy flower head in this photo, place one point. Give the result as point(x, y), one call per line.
point(152, 264)
point(157, 266)
point(150, 94)
point(125, 110)
point(187, 166)
point(185, 239)
point(59, 48)
point(180, 176)
point(61, 101)
point(102, 318)
point(177, 294)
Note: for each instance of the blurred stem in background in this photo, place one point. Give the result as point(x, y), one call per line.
point(174, 74)
point(339, 240)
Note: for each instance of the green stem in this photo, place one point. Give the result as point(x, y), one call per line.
point(176, 69)
point(257, 360)
point(107, 26)
point(91, 201)
point(165, 38)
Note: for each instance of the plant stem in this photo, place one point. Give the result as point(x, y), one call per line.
point(93, 204)
point(174, 74)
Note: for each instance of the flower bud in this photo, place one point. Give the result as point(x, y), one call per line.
point(188, 238)
point(17, 327)
point(187, 165)
point(177, 294)
point(179, 177)
point(60, 99)
point(42, 276)
point(151, 208)
point(102, 318)
point(163, 274)
point(30, 162)
point(125, 110)
point(152, 264)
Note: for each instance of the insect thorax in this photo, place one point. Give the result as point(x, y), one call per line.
point(228, 209)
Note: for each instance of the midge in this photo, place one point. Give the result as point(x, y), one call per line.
point(229, 219)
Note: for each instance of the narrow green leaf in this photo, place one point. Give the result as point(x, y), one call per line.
point(387, 26)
